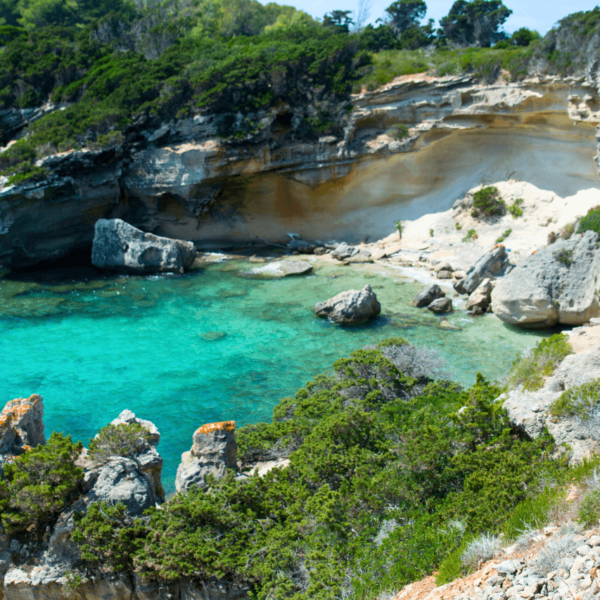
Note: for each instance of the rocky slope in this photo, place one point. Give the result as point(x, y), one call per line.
point(185, 182)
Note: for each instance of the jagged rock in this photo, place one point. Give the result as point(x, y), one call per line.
point(344, 252)
point(557, 284)
point(491, 265)
point(350, 307)
point(212, 453)
point(302, 246)
point(427, 295)
point(129, 417)
point(121, 479)
point(121, 247)
point(22, 424)
point(481, 297)
point(441, 305)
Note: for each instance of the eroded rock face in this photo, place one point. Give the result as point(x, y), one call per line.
point(22, 424)
point(123, 248)
point(492, 264)
point(557, 284)
point(351, 307)
point(212, 453)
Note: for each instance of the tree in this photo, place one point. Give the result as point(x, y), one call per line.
point(340, 19)
point(362, 14)
point(405, 14)
point(475, 23)
point(524, 37)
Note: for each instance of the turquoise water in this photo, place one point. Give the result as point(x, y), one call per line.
point(207, 346)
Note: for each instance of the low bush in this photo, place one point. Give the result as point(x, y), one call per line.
point(399, 131)
point(530, 369)
point(589, 511)
point(504, 235)
point(591, 221)
point(515, 208)
point(471, 236)
point(480, 550)
point(124, 439)
point(564, 256)
point(39, 484)
point(487, 203)
point(579, 400)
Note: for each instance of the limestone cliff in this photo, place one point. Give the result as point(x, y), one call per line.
point(181, 180)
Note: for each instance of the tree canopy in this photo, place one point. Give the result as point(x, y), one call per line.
point(405, 14)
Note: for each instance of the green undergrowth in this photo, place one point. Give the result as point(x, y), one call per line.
point(591, 221)
point(579, 400)
point(530, 370)
point(487, 202)
point(389, 473)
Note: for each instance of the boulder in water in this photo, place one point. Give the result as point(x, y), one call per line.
point(441, 305)
point(481, 297)
point(556, 284)
point(123, 248)
point(427, 295)
point(212, 453)
point(350, 307)
point(492, 264)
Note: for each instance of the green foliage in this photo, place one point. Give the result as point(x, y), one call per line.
point(529, 370)
point(471, 236)
point(487, 202)
point(564, 256)
point(515, 208)
point(398, 227)
point(591, 221)
point(406, 14)
point(589, 511)
point(504, 235)
point(28, 173)
point(124, 439)
point(39, 484)
point(578, 400)
point(524, 37)
point(457, 226)
point(533, 512)
point(399, 131)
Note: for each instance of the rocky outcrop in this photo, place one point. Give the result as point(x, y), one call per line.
point(180, 180)
point(427, 295)
point(21, 425)
point(557, 284)
point(481, 298)
point(213, 452)
point(530, 411)
point(351, 307)
point(492, 264)
point(123, 248)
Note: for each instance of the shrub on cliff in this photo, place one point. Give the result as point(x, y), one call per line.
point(487, 202)
point(591, 221)
point(124, 439)
point(39, 484)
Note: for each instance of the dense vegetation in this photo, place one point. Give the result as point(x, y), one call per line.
point(120, 69)
point(390, 475)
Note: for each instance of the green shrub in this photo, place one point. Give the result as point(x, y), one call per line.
point(564, 256)
point(457, 226)
point(591, 221)
point(515, 208)
point(530, 370)
point(504, 235)
point(579, 400)
point(471, 236)
point(399, 131)
point(487, 202)
point(124, 439)
point(39, 484)
point(589, 511)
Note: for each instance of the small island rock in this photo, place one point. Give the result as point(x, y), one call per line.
point(350, 307)
point(123, 248)
point(426, 296)
point(441, 305)
point(212, 453)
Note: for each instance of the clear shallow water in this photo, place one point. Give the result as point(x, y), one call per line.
point(207, 346)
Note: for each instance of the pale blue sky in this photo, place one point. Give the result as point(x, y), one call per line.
point(535, 14)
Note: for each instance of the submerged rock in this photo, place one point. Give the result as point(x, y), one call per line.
point(283, 268)
point(350, 307)
point(212, 453)
point(557, 284)
point(427, 295)
point(123, 248)
point(22, 425)
point(491, 265)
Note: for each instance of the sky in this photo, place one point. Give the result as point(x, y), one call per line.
point(534, 14)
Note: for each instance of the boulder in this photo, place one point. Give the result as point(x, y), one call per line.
point(351, 307)
point(302, 246)
point(556, 284)
point(427, 295)
point(443, 266)
point(444, 275)
point(343, 251)
point(123, 248)
point(121, 479)
point(281, 268)
point(491, 265)
point(482, 296)
point(212, 453)
point(441, 305)
point(22, 425)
